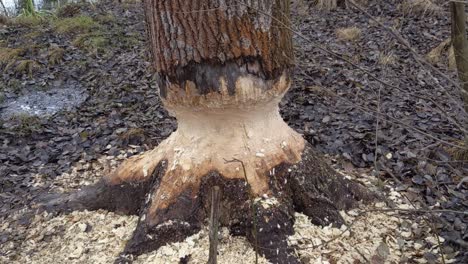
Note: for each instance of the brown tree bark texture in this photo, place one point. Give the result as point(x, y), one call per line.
point(460, 45)
point(216, 31)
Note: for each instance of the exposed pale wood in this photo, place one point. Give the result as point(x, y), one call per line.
point(204, 140)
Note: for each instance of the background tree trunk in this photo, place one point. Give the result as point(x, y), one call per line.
point(460, 45)
point(460, 48)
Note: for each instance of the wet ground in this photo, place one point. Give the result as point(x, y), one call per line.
point(43, 103)
point(114, 105)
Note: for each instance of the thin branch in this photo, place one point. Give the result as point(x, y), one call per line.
point(376, 153)
point(4, 8)
point(252, 204)
point(423, 211)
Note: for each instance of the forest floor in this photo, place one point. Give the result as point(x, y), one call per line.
point(78, 95)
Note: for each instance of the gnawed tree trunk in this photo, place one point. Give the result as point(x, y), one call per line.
point(223, 66)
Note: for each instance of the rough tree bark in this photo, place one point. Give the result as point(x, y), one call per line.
point(223, 66)
point(460, 48)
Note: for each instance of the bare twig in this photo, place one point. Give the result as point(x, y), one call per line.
point(376, 153)
point(422, 211)
point(252, 205)
point(4, 8)
point(214, 224)
point(465, 179)
point(459, 242)
point(390, 173)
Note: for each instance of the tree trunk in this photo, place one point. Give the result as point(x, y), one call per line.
point(223, 66)
point(460, 46)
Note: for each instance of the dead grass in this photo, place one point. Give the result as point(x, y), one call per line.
point(94, 42)
point(29, 21)
point(443, 53)
point(327, 4)
point(321, 91)
point(387, 59)
point(26, 66)
point(55, 55)
point(9, 55)
point(348, 34)
point(420, 7)
point(4, 20)
point(435, 55)
point(24, 124)
point(460, 153)
point(69, 10)
point(452, 62)
point(106, 19)
point(33, 34)
point(79, 24)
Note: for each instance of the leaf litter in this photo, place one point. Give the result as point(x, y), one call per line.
point(99, 236)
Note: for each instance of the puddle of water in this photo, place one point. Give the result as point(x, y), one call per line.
point(43, 103)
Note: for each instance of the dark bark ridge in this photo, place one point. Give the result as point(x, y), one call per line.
point(309, 186)
point(207, 75)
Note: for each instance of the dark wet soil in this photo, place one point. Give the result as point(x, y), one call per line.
point(332, 103)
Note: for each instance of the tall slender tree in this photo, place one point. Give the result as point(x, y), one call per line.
point(460, 49)
point(460, 45)
point(223, 67)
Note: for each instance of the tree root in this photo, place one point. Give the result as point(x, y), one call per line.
point(309, 186)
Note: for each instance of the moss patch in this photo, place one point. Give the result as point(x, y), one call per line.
point(106, 19)
point(29, 21)
point(92, 42)
point(24, 124)
point(79, 24)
